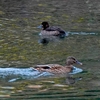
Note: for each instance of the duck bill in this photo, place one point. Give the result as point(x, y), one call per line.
point(79, 63)
point(40, 26)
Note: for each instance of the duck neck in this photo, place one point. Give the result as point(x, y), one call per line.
point(45, 27)
point(68, 65)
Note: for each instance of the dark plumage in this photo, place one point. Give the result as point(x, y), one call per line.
point(52, 30)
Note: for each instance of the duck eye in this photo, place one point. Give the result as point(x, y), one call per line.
point(75, 61)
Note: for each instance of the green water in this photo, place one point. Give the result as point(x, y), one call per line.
point(19, 47)
point(84, 47)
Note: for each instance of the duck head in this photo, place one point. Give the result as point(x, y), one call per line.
point(44, 25)
point(72, 60)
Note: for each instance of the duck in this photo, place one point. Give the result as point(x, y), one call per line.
point(51, 30)
point(57, 68)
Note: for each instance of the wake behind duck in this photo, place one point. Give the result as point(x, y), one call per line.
point(14, 74)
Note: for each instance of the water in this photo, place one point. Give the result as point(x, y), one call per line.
point(20, 50)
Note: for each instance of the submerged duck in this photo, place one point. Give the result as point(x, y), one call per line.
point(59, 69)
point(51, 30)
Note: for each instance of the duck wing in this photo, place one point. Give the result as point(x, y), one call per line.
point(52, 68)
point(55, 28)
point(43, 66)
point(49, 66)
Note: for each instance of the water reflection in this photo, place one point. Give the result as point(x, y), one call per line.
point(45, 39)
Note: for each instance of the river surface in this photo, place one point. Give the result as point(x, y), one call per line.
point(20, 49)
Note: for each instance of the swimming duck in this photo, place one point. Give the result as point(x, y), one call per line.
point(51, 30)
point(59, 69)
